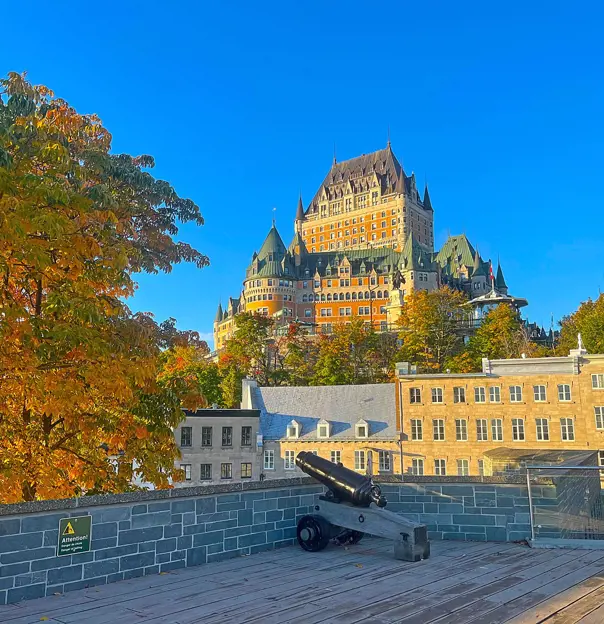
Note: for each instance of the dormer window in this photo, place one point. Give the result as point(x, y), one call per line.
point(323, 430)
point(293, 430)
point(362, 429)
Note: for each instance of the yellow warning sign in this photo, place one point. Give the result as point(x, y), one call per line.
point(69, 530)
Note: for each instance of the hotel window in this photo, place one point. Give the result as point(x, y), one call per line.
point(563, 392)
point(206, 436)
point(438, 430)
point(497, 430)
point(325, 311)
point(290, 460)
point(518, 429)
point(440, 467)
point(495, 394)
point(480, 395)
point(539, 393)
point(246, 470)
point(515, 394)
point(336, 457)
point(359, 460)
point(206, 472)
point(307, 313)
point(463, 468)
point(187, 470)
point(246, 436)
point(542, 429)
point(567, 429)
point(482, 433)
point(384, 461)
point(226, 471)
point(481, 467)
point(597, 381)
point(415, 395)
point(437, 395)
point(269, 460)
point(601, 458)
point(461, 430)
point(416, 430)
point(227, 436)
point(185, 436)
point(417, 466)
point(599, 412)
point(459, 395)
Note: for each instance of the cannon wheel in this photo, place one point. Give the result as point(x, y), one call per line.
point(313, 533)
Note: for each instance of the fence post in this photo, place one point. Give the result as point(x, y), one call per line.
point(530, 499)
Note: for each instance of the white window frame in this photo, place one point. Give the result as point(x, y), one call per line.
point(336, 457)
point(440, 467)
point(417, 430)
point(417, 466)
point(599, 416)
point(459, 394)
point(518, 433)
point(597, 381)
point(542, 429)
point(482, 430)
point(360, 460)
point(481, 467)
point(539, 393)
point(438, 430)
point(515, 394)
point(463, 467)
point(494, 390)
point(437, 395)
point(269, 459)
point(188, 471)
point(562, 393)
point(461, 430)
point(567, 429)
point(384, 461)
point(497, 429)
point(415, 396)
point(293, 431)
point(480, 394)
point(323, 425)
point(357, 430)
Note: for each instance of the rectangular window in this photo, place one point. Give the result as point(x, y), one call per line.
point(440, 467)
point(437, 395)
point(539, 393)
point(459, 395)
point(480, 395)
point(269, 460)
point(246, 471)
point(384, 461)
point(186, 436)
point(481, 467)
point(563, 392)
point(206, 436)
point(226, 471)
point(497, 429)
point(416, 430)
point(359, 460)
point(227, 436)
point(599, 411)
point(206, 472)
point(415, 395)
point(187, 470)
point(290, 460)
point(438, 429)
point(495, 394)
point(336, 457)
point(461, 430)
point(417, 466)
point(482, 433)
point(597, 382)
point(515, 394)
point(518, 429)
point(246, 436)
point(463, 468)
point(542, 429)
point(567, 429)
point(601, 458)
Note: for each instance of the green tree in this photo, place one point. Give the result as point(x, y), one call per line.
point(588, 320)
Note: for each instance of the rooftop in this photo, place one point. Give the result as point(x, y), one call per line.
point(462, 582)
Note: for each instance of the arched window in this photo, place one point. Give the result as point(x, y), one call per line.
point(360, 295)
point(304, 298)
point(385, 294)
point(348, 296)
point(329, 296)
point(316, 297)
point(354, 296)
point(367, 295)
point(379, 294)
point(322, 297)
point(372, 294)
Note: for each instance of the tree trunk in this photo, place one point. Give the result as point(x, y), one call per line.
point(28, 491)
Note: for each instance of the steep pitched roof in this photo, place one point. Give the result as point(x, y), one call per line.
point(427, 203)
point(458, 250)
point(478, 269)
point(300, 210)
point(415, 256)
point(297, 241)
point(499, 279)
point(219, 314)
point(341, 406)
point(273, 259)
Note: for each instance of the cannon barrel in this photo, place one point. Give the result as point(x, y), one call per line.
point(344, 484)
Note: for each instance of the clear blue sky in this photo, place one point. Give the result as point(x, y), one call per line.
point(498, 104)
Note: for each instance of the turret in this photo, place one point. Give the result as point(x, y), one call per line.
point(219, 314)
point(500, 281)
point(427, 202)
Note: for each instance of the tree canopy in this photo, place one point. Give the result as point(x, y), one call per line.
point(80, 386)
point(588, 320)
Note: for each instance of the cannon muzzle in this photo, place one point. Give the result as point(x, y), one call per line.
point(343, 483)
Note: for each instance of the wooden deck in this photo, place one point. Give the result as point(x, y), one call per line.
point(461, 582)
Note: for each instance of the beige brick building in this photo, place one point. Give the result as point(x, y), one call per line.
point(449, 421)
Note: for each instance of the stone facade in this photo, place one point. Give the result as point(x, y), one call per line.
point(147, 533)
point(540, 403)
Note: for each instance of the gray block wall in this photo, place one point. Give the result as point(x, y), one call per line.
point(145, 533)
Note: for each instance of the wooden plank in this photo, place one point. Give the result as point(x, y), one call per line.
point(595, 617)
point(574, 612)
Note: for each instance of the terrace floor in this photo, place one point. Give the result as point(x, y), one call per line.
point(485, 583)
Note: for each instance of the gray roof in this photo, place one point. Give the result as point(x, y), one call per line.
point(341, 406)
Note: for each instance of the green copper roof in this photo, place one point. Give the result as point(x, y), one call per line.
point(499, 279)
point(458, 250)
point(427, 203)
point(273, 259)
point(478, 268)
point(218, 314)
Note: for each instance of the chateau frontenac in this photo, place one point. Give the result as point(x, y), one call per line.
point(365, 241)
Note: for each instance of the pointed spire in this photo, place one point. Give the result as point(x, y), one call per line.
point(478, 267)
point(219, 313)
point(335, 160)
point(300, 209)
point(500, 280)
point(427, 202)
point(388, 143)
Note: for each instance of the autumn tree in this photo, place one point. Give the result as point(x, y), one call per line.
point(588, 320)
point(428, 328)
point(78, 370)
point(297, 356)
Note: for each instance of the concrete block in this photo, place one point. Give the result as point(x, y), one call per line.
point(230, 506)
point(464, 528)
point(139, 509)
point(64, 575)
point(27, 555)
point(216, 548)
point(213, 517)
point(106, 529)
point(118, 551)
point(277, 493)
point(472, 519)
point(243, 530)
point(245, 516)
point(188, 518)
point(205, 505)
point(146, 547)
point(288, 501)
point(47, 564)
point(98, 544)
point(259, 516)
point(252, 540)
point(125, 525)
point(194, 529)
point(205, 539)
point(163, 558)
point(250, 497)
point(460, 537)
point(143, 521)
point(196, 556)
point(141, 560)
point(25, 593)
point(51, 538)
point(183, 506)
point(218, 526)
point(229, 498)
point(31, 524)
point(266, 504)
point(476, 537)
point(457, 491)
point(496, 534)
point(137, 572)
point(274, 536)
point(117, 514)
point(14, 569)
point(288, 514)
point(230, 543)
point(165, 545)
point(185, 542)
point(163, 506)
point(140, 535)
point(172, 530)
point(452, 508)
point(173, 565)
point(100, 568)
point(224, 556)
point(114, 578)
point(93, 582)
point(150, 570)
point(24, 541)
point(10, 527)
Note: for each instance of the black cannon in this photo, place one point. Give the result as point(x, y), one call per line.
point(352, 506)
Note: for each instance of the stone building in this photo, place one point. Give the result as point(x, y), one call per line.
point(361, 246)
point(219, 445)
point(449, 421)
point(354, 425)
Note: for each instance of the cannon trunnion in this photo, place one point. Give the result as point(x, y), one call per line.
point(353, 506)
